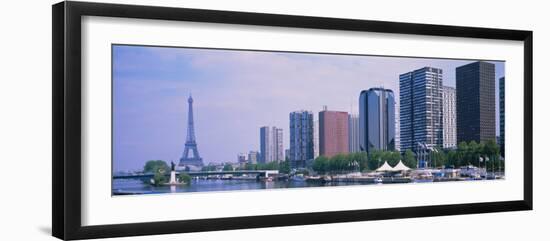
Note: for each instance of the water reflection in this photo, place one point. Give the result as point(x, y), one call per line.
point(127, 186)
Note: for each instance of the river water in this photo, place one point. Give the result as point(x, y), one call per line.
point(130, 186)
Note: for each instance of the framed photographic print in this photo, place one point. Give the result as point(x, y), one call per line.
point(165, 117)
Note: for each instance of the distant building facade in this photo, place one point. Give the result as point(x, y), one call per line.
point(376, 120)
point(278, 149)
point(333, 133)
point(301, 138)
point(271, 144)
point(287, 154)
point(241, 158)
point(502, 118)
point(253, 157)
point(353, 136)
point(449, 117)
point(475, 102)
point(421, 108)
point(266, 145)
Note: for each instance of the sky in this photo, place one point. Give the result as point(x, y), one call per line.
point(236, 92)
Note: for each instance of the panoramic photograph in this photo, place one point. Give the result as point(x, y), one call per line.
point(210, 120)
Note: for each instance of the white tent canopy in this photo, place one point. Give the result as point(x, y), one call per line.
point(401, 167)
point(385, 167)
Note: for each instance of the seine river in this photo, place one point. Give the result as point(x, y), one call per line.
point(129, 186)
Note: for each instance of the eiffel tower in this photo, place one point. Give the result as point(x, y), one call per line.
point(190, 143)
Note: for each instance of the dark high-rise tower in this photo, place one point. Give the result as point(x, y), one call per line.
point(301, 138)
point(376, 120)
point(475, 102)
point(190, 143)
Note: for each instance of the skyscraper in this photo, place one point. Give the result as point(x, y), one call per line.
point(266, 145)
point(421, 107)
point(501, 113)
point(278, 151)
point(353, 137)
point(333, 132)
point(271, 144)
point(475, 102)
point(376, 120)
point(301, 138)
point(449, 117)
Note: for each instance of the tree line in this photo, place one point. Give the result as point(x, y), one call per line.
point(485, 154)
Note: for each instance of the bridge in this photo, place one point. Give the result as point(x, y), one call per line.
point(264, 173)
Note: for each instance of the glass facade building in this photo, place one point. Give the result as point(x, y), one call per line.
point(449, 117)
point(376, 120)
point(475, 102)
point(301, 138)
point(421, 108)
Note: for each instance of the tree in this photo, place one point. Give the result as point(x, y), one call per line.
point(409, 159)
point(228, 167)
point(339, 163)
point(452, 158)
point(393, 157)
point(159, 177)
point(152, 166)
point(375, 160)
point(284, 167)
point(184, 178)
point(320, 164)
point(438, 158)
point(474, 150)
point(361, 158)
point(465, 154)
point(492, 150)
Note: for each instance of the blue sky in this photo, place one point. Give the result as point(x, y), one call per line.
point(235, 93)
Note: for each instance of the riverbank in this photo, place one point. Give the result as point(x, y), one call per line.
point(235, 183)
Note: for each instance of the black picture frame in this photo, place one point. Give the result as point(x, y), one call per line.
point(67, 135)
